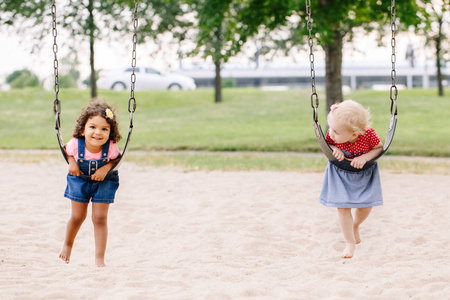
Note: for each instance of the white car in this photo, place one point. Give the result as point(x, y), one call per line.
point(146, 79)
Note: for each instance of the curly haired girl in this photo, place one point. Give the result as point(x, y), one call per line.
point(92, 153)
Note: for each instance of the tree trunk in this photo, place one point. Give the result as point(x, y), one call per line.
point(438, 59)
point(218, 83)
point(91, 48)
point(333, 69)
point(438, 66)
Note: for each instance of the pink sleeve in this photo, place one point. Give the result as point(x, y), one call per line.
point(373, 138)
point(113, 151)
point(72, 148)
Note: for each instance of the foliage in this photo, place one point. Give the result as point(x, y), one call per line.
point(15, 11)
point(87, 81)
point(218, 37)
point(434, 29)
point(90, 20)
point(334, 22)
point(67, 81)
point(21, 79)
point(68, 73)
point(14, 75)
point(164, 16)
point(221, 27)
point(217, 28)
point(73, 16)
point(346, 14)
point(84, 20)
point(228, 82)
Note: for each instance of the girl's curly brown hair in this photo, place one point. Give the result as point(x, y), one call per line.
point(97, 108)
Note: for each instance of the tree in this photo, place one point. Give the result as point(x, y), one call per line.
point(434, 31)
point(224, 26)
point(333, 24)
point(91, 20)
point(84, 20)
point(169, 25)
point(217, 35)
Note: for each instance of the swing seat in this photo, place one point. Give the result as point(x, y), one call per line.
point(345, 164)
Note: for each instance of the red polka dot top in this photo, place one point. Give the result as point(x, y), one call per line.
point(363, 144)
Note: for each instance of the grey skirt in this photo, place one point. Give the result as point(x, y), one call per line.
point(346, 189)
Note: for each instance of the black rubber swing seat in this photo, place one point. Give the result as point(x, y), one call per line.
point(345, 164)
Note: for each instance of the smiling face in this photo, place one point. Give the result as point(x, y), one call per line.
point(340, 133)
point(96, 133)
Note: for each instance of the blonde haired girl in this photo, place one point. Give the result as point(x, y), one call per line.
point(351, 138)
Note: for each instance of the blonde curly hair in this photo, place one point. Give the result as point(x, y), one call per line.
point(350, 114)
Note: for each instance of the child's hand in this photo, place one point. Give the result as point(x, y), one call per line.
point(74, 169)
point(100, 174)
point(358, 162)
point(338, 154)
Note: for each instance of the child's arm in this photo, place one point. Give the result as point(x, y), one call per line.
point(360, 161)
point(74, 168)
point(101, 172)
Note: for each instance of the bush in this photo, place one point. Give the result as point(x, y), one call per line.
point(21, 79)
point(67, 81)
point(228, 82)
point(87, 81)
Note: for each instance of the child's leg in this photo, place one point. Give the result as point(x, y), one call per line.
point(100, 220)
point(360, 215)
point(346, 222)
point(79, 212)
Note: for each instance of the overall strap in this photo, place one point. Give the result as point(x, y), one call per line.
point(81, 148)
point(105, 149)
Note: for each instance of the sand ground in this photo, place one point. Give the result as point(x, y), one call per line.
point(222, 235)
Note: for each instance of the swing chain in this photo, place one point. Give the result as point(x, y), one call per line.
point(57, 103)
point(132, 100)
point(393, 90)
point(314, 96)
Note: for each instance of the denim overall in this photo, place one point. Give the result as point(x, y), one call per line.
point(82, 188)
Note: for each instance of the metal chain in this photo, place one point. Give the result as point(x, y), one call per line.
point(393, 90)
point(314, 96)
point(57, 103)
point(132, 100)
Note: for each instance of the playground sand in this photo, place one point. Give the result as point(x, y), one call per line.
point(222, 235)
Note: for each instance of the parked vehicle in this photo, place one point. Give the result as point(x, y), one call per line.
point(146, 79)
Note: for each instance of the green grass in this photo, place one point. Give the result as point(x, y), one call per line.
point(247, 120)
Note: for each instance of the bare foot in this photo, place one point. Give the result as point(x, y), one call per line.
point(348, 251)
point(65, 254)
point(100, 262)
point(356, 234)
